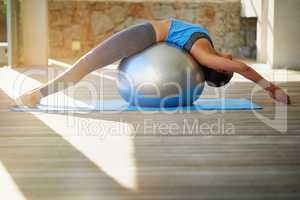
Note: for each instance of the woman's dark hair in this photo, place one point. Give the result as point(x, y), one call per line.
point(216, 79)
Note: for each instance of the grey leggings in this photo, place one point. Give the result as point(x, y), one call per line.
point(122, 44)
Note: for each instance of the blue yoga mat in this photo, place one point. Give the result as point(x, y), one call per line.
point(121, 105)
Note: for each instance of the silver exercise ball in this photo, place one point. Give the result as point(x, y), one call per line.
point(160, 76)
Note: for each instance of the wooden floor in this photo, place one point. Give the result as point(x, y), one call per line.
point(133, 155)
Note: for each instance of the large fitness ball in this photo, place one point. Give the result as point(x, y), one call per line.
point(160, 76)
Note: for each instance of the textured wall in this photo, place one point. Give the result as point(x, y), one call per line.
point(89, 23)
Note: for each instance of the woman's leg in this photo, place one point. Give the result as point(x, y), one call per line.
point(120, 45)
point(123, 44)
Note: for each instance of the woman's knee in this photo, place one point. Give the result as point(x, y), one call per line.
point(161, 29)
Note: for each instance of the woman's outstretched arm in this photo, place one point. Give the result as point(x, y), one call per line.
point(122, 44)
point(206, 55)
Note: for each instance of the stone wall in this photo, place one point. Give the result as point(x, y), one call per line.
point(77, 26)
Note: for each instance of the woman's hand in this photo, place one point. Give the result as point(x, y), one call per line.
point(29, 99)
point(279, 95)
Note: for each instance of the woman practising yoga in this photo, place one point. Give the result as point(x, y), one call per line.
point(190, 37)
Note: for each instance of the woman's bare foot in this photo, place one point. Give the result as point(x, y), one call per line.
point(29, 99)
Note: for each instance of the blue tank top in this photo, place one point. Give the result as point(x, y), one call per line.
point(180, 32)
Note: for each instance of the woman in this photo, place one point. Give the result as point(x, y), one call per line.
point(190, 37)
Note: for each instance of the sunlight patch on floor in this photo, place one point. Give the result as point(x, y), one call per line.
point(8, 188)
point(108, 144)
point(15, 83)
